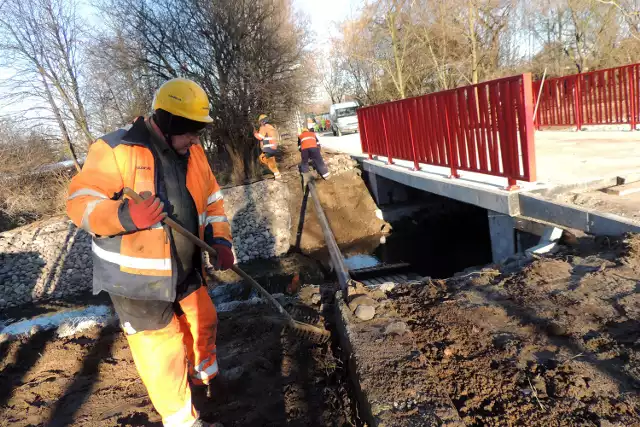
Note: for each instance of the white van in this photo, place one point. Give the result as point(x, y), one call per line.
point(343, 117)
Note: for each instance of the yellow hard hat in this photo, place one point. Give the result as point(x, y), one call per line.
point(184, 98)
point(262, 117)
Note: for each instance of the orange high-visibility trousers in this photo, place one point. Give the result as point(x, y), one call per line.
point(165, 357)
point(270, 162)
point(199, 326)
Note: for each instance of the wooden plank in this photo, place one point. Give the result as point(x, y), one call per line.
point(623, 190)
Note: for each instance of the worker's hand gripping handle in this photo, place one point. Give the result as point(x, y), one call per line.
point(201, 244)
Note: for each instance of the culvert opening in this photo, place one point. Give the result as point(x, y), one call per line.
point(434, 235)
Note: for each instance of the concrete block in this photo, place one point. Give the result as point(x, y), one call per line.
point(543, 248)
point(623, 190)
point(503, 236)
point(587, 220)
point(548, 241)
point(605, 224)
point(551, 234)
point(553, 212)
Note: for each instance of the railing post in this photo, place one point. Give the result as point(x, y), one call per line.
point(577, 102)
point(386, 139)
point(449, 140)
point(416, 166)
point(364, 141)
point(528, 145)
point(632, 99)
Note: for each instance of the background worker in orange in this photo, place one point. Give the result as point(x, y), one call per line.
point(153, 275)
point(268, 138)
point(309, 147)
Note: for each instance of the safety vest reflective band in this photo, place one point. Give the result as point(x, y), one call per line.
point(90, 206)
point(269, 146)
point(308, 140)
point(203, 219)
point(215, 197)
point(131, 262)
point(207, 373)
point(86, 192)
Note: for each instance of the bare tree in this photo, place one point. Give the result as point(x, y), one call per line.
point(40, 41)
point(247, 55)
point(333, 76)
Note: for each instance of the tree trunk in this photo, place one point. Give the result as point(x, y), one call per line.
point(63, 128)
point(474, 41)
point(399, 79)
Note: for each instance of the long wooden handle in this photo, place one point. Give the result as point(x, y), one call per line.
point(198, 242)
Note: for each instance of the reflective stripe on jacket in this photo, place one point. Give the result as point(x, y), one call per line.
point(307, 140)
point(268, 137)
point(137, 264)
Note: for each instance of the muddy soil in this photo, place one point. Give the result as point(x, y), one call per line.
point(348, 206)
point(90, 380)
point(555, 344)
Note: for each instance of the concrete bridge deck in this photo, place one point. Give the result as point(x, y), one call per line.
point(567, 162)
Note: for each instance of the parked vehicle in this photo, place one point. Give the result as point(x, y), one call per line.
point(343, 117)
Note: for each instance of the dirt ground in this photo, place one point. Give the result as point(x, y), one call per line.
point(626, 206)
point(90, 380)
point(555, 344)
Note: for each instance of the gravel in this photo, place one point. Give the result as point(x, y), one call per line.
point(40, 263)
point(339, 163)
point(260, 219)
point(52, 260)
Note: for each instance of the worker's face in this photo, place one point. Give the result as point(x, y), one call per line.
point(182, 143)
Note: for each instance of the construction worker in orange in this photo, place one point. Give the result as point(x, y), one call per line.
point(268, 138)
point(154, 276)
point(309, 147)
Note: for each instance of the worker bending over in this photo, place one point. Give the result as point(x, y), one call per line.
point(152, 274)
point(268, 137)
point(309, 147)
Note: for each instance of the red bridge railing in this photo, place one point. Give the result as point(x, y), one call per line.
point(601, 97)
point(485, 128)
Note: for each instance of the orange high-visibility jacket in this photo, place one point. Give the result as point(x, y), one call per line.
point(268, 137)
point(307, 140)
point(137, 264)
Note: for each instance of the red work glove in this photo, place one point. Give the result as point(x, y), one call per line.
point(146, 213)
point(225, 257)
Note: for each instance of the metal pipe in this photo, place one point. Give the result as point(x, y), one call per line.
point(535, 110)
point(334, 252)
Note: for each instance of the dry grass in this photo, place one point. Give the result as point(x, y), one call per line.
point(25, 195)
point(26, 198)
